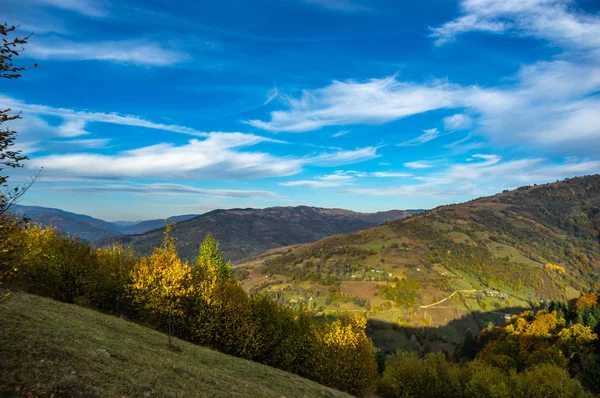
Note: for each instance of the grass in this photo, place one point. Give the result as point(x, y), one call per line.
point(55, 349)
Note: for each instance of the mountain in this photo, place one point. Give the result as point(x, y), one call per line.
point(86, 227)
point(145, 226)
point(70, 351)
point(514, 249)
point(245, 232)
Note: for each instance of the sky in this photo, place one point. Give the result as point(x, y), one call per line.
point(152, 108)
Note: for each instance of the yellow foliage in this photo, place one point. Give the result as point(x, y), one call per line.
point(161, 281)
point(555, 267)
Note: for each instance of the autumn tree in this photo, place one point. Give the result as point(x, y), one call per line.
point(345, 357)
point(161, 281)
point(9, 157)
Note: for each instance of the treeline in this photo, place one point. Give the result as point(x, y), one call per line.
point(550, 352)
point(198, 302)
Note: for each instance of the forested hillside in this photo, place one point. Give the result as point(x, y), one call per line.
point(245, 232)
point(463, 263)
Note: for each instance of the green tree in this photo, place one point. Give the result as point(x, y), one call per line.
point(547, 381)
point(482, 380)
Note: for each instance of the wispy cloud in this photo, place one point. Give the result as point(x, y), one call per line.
point(343, 157)
point(419, 164)
point(428, 135)
point(484, 175)
point(76, 120)
point(90, 8)
point(163, 190)
point(135, 52)
point(340, 5)
point(340, 133)
point(271, 95)
point(550, 104)
point(553, 20)
point(459, 121)
point(390, 174)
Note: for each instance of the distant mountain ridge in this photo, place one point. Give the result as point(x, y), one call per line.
point(88, 228)
point(245, 232)
point(141, 227)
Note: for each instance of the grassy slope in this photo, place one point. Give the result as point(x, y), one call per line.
point(494, 244)
point(48, 347)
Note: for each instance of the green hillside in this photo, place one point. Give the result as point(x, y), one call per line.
point(446, 265)
point(55, 349)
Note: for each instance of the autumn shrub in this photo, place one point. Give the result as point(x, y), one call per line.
point(60, 267)
point(407, 375)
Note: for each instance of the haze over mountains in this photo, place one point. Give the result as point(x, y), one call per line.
point(86, 227)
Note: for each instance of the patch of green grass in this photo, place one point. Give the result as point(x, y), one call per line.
point(50, 348)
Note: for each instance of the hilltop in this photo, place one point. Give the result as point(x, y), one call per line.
point(55, 349)
point(245, 232)
point(513, 249)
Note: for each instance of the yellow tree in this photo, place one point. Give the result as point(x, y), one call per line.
point(162, 280)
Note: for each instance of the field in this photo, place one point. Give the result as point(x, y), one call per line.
point(55, 349)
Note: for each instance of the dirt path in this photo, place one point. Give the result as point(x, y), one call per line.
point(447, 298)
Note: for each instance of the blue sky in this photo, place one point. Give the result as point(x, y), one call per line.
point(147, 109)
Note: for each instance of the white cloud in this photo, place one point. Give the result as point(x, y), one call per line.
point(136, 52)
point(215, 158)
point(553, 20)
point(163, 190)
point(428, 135)
point(337, 179)
point(420, 164)
point(345, 103)
point(457, 122)
point(72, 128)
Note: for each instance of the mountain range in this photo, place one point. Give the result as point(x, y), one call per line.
point(246, 232)
point(515, 249)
